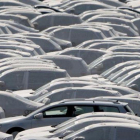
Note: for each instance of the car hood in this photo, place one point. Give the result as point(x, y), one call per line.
point(11, 119)
point(24, 93)
point(45, 134)
point(35, 130)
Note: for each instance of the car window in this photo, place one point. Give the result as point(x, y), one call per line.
point(56, 112)
point(82, 109)
point(38, 79)
point(14, 80)
point(106, 109)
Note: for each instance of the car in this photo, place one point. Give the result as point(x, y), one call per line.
point(124, 49)
point(113, 20)
point(5, 61)
point(77, 66)
point(27, 62)
point(118, 67)
point(100, 115)
point(121, 89)
point(74, 92)
point(132, 83)
point(21, 20)
point(86, 6)
point(104, 62)
point(11, 3)
point(32, 95)
point(31, 14)
point(57, 113)
point(88, 55)
point(104, 45)
point(14, 105)
point(86, 44)
point(107, 31)
point(6, 136)
point(75, 126)
point(93, 132)
point(128, 76)
point(43, 22)
point(115, 77)
point(77, 35)
point(28, 77)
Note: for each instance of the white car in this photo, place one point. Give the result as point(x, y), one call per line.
point(43, 22)
point(106, 129)
point(4, 136)
point(59, 112)
point(77, 66)
point(88, 55)
point(75, 92)
point(76, 119)
point(14, 105)
point(29, 77)
point(32, 95)
point(75, 126)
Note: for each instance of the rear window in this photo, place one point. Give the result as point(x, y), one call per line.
point(106, 109)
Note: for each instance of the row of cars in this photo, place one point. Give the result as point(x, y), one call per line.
point(69, 70)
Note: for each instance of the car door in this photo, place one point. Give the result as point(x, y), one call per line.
point(53, 116)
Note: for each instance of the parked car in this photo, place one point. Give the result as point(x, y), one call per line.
point(74, 92)
point(75, 126)
point(4, 136)
point(57, 113)
point(86, 6)
point(77, 35)
point(104, 62)
point(94, 131)
point(29, 77)
point(14, 105)
point(32, 95)
point(92, 115)
point(88, 55)
point(43, 22)
point(75, 66)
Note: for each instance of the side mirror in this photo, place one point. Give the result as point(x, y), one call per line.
point(38, 116)
point(46, 101)
point(2, 83)
point(79, 138)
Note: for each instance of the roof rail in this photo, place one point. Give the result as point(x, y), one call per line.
point(105, 100)
point(75, 99)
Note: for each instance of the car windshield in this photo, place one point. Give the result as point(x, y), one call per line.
point(97, 61)
point(41, 89)
point(64, 128)
point(66, 122)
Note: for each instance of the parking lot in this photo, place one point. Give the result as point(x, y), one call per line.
point(69, 70)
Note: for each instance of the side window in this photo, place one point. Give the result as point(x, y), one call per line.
point(82, 109)
point(105, 109)
point(14, 80)
point(37, 78)
point(127, 133)
point(61, 111)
